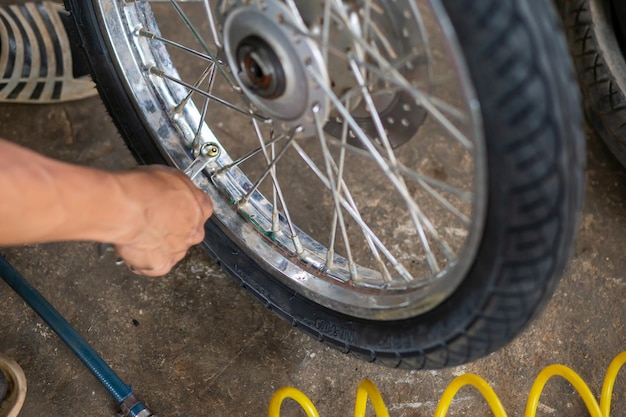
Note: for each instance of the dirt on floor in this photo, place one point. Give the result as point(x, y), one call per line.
point(194, 343)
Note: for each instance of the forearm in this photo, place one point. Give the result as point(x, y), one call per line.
point(45, 200)
point(151, 214)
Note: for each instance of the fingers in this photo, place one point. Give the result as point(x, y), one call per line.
point(206, 204)
point(155, 268)
point(197, 236)
point(204, 201)
point(174, 212)
point(149, 272)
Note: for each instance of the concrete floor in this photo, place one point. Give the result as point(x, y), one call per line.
point(194, 343)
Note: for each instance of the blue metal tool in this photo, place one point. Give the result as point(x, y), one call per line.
point(122, 393)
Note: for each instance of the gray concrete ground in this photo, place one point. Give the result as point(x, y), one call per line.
point(194, 343)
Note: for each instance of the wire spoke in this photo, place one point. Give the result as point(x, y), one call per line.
point(335, 219)
point(446, 203)
point(325, 30)
point(152, 36)
point(435, 106)
point(335, 194)
point(277, 192)
point(160, 73)
point(391, 74)
point(356, 217)
point(205, 108)
point(202, 43)
point(341, 187)
point(271, 165)
point(216, 36)
point(206, 73)
point(385, 167)
point(275, 213)
point(424, 180)
point(250, 154)
point(440, 104)
point(367, 18)
point(402, 169)
point(422, 98)
point(418, 220)
point(295, 12)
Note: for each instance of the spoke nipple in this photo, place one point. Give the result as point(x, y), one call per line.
point(155, 71)
point(143, 32)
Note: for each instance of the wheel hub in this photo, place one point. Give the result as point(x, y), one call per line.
point(261, 70)
point(271, 60)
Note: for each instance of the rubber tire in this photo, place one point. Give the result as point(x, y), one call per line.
point(517, 57)
point(601, 67)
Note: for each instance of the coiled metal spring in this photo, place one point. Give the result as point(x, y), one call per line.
point(367, 390)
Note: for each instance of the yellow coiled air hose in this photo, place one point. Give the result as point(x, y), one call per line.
point(367, 389)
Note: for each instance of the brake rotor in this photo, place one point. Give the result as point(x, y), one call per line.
point(395, 33)
point(270, 49)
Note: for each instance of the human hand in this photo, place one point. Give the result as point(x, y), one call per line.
point(169, 213)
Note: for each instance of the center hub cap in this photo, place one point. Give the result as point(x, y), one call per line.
point(271, 60)
point(261, 70)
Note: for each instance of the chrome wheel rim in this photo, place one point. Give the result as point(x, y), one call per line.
point(351, 159)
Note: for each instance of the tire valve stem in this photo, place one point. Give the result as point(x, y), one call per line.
point(210, 150)
point(208, 153)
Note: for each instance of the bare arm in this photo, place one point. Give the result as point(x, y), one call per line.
point(152, 214)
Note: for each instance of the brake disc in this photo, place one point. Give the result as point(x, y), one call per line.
point(270, 49)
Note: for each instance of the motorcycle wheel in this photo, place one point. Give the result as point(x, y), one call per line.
point(400, 179)
point(596, 32)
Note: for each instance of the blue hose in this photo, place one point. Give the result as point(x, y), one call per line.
point(90, 358)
